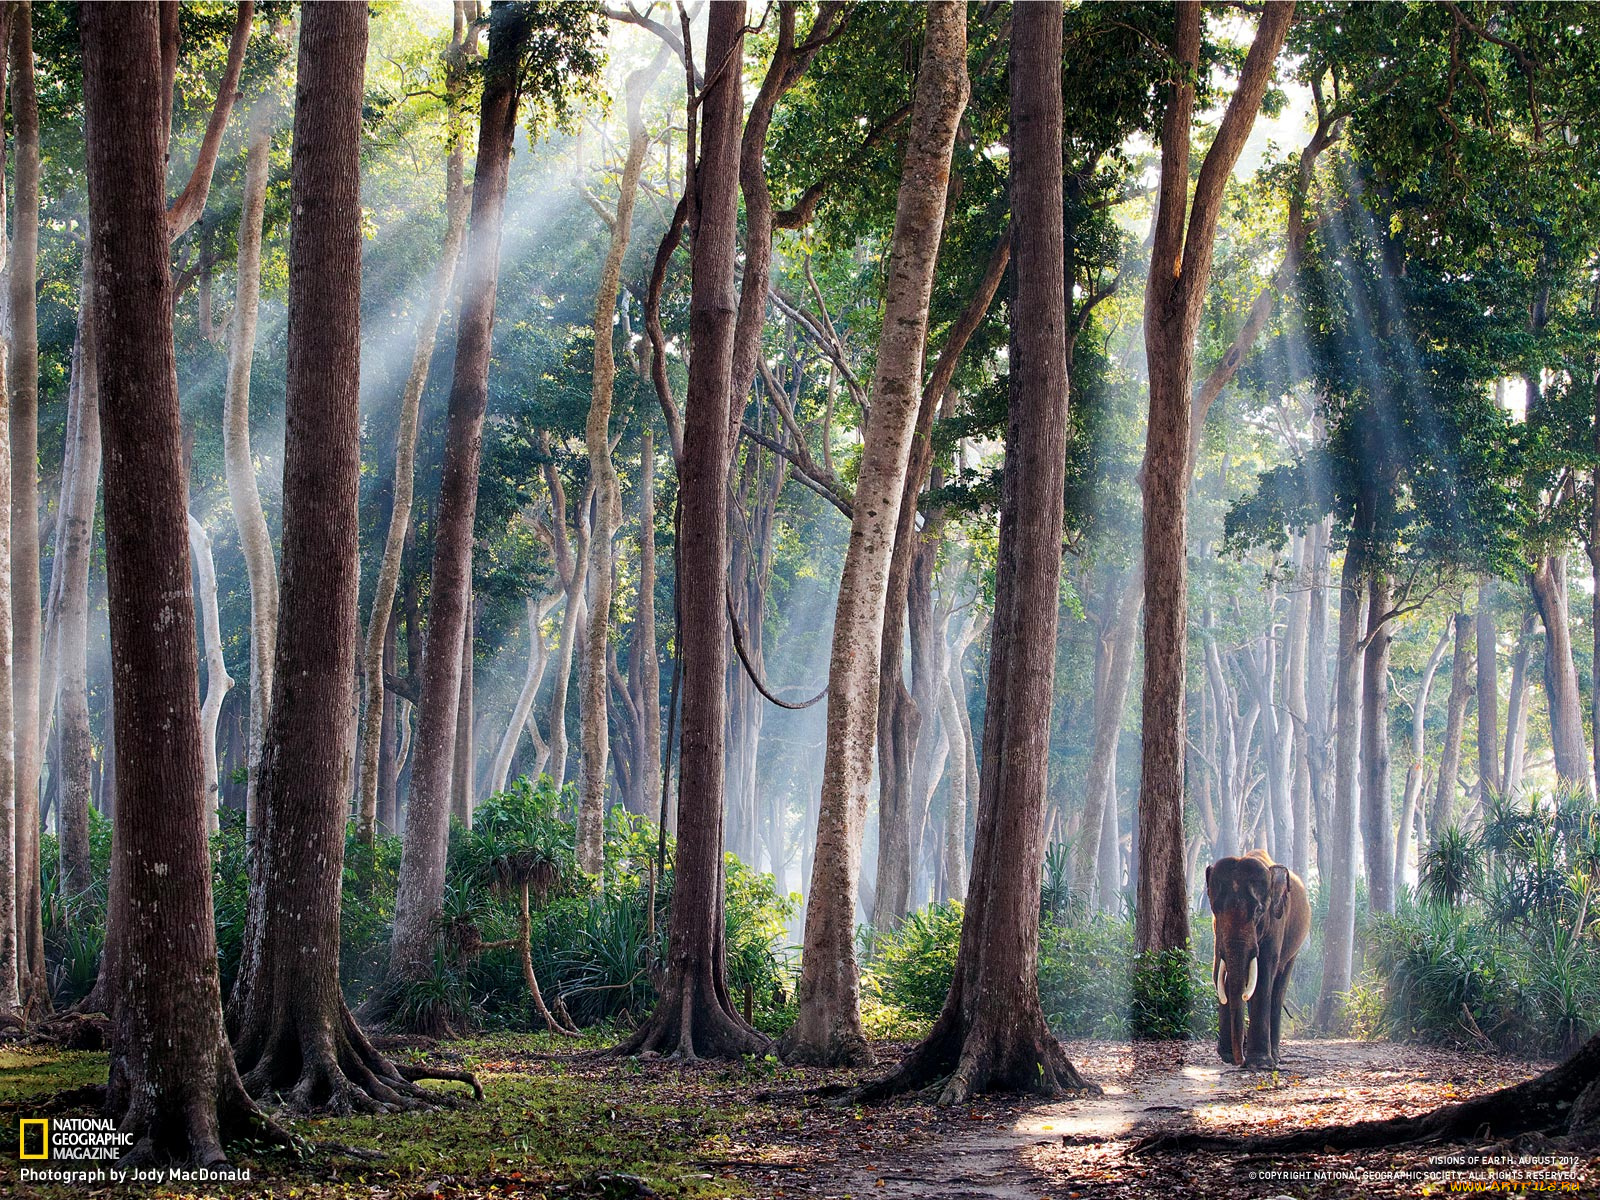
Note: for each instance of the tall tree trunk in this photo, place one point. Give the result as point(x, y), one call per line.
point(1489, 690)
point(1180, 269)
point(74, 550)
point(1340, 832)
point(828, 1030)
point(293, 1036)
point(420, 889)
point(1444, 798)
point(694, 1016)
point(463, 779)
point(1549, 585)
point(26, 616)
point(255, 540)
point(1117, 634)
point(172, 1085)
point(10, 950)
point(1108, 895)
point(405, 440)
point(576, 580)
point(952, 710)
point(608, 499)
point(218, 681)
point(388, 798)
point(1298, 706)
point(1404, 873)
point(991, 1034)
point(538, 660)
point(1318, 734)
point(644, 661)
point(1377, 829)
point(1517, 709)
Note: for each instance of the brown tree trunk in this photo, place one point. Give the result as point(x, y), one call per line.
point(26, 615)
point(1340, 831)
point(828, 1030)
point(421, 884)
point(1549, 584)
point(1444, 798)
point(1377, 828)
point(292, 1034)
point(1180, 268)
point(694, 1016)
point(991, 1034)
point(172, 1081)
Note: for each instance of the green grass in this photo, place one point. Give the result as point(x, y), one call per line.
point(27, 1074)
point(545, 1124)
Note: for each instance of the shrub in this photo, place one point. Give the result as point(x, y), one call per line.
point(912, 966)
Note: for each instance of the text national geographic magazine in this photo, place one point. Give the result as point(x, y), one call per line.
point(799, 599)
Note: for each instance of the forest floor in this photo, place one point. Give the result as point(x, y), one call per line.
point(556, 1124)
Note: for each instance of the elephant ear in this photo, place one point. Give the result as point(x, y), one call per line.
point(1278, 891)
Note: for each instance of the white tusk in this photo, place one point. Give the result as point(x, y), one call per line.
point(1250, 984)
point(1221, 981)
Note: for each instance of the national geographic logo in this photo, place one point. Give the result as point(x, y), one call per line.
point(71, 1139)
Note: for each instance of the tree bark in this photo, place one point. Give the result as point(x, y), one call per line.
point(608, 499)
point(952, 707)
point(1180, 268)
point(405, 441)
point(1444, 799)
point(72, 615)
point(828, 1030)
point(463, 781)
point(388, 798)
point(538, 660)
point(991, 1034)
point(421, 884)
point(694, 1016)
point(172, 1081)
point(1517, 709)
point(1548, 582)
point(574, 567)
point(292, 1034)
point(1404, 873)
point(10, 949)
point(1339, 933)
point(1298, 706)
point(1318, 734)
point(1489, 690)
point(255, 540)
point(1377, 829)
point(218, 681)
point(26, 615)
point(644, 661)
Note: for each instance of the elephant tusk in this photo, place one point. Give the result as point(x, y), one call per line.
point(1221, 980)
point(1250, 983)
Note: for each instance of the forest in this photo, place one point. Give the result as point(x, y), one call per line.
point(770, 598)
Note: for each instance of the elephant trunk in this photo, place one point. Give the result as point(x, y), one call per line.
point(1236, 981)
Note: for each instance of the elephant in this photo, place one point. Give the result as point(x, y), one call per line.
point(1262, 916)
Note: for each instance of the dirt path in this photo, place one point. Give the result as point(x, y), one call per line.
point(1010, 1150)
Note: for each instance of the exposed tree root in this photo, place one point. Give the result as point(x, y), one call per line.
point(693, 1020)
point(843, 1048)
point(1018, 1055)
point(191, 1128)
point(336, 1070)
point(1558, 1108)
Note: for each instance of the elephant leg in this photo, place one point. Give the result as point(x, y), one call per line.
point(1280, 993)
point(1224, 1038)
point(1258, 1038)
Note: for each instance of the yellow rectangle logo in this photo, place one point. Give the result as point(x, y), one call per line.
point(33, 1137)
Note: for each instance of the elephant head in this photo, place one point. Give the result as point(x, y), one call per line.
point(1248, 897)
